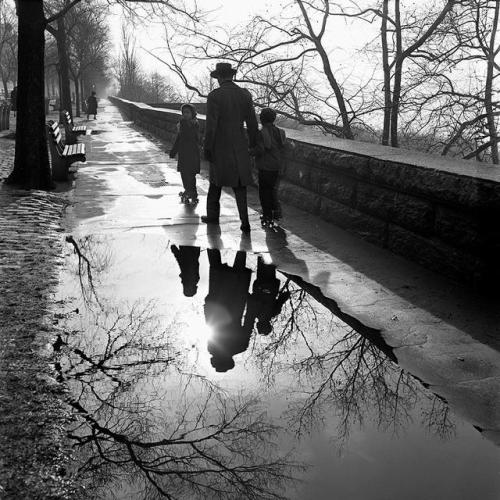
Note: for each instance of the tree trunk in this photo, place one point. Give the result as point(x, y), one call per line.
point(31, 164)
point(65, 92)
point(77, 97)
point(398, 74)
point(346, 126)
point(5, 88)
point(387, 75)
point(82, 95)
point(488, 93)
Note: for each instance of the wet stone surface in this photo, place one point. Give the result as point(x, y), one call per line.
point(207, 373)
point(33, 446)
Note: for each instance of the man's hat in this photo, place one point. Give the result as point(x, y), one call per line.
point(222, 69)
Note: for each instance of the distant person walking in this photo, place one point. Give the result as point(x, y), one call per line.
point(268, 152)
point(92, 105)
point(187, 147)
point(226, 143)
point(13, 100)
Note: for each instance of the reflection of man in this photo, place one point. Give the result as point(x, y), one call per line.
point(188, 260)
point(266, 300)
point(224, 306)
point(226, 144)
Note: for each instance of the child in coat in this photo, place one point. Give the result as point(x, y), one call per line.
point(186, 146)
point(268, 153)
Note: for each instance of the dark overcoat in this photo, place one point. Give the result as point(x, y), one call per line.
point(91, 105)
point(187, 147)
point(228, 108)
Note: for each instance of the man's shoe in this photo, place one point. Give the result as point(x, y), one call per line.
point(245, 228)
point(209, 220)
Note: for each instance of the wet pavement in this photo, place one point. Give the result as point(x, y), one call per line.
point(298, 362)
point(34, 448)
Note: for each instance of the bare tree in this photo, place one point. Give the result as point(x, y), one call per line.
point(351, 372)
point(476, 103)
point(134, 83)
point(31, 164)
point(145, 416)
point(277, 58)
point(89, 44)
point(8, 47)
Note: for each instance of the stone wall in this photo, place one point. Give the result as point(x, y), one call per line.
point(442, 213)
point(201, 107)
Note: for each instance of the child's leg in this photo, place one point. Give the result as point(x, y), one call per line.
point(265, 193)
point(275, 204)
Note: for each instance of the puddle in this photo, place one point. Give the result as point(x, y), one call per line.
point(199, 373)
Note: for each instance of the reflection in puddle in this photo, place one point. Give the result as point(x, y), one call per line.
point(210, 374)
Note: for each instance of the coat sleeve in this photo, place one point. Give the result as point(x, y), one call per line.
point(251, 122)
point(211, 123)
point(258, 149)
point(175, 147)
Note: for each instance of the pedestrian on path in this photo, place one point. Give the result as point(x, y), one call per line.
point(226, 145)
point(92, 105)
point(13, 100)
point(187, 148)
point(224, 306)
point(268, 153)
point(188, 259)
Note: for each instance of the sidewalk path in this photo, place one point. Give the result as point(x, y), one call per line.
point(127, 192)
point(33, 415)
point(440, 332)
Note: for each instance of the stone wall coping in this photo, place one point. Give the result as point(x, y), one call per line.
point(466, 168)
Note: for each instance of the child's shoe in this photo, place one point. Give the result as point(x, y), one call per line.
point(265, 221)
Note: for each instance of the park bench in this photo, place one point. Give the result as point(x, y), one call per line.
point(71, 131)
point(62, 155)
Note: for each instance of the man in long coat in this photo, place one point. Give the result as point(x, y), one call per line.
point(224, 307)
point(227, 142)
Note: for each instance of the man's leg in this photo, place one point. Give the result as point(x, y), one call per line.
point(240, 193)
point(213, 204)
point(185, 182)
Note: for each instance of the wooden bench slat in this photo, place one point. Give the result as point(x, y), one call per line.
point(74, 149)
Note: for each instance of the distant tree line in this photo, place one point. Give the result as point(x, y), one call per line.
point(134, 83)
point(428, 79)
point(79, 56)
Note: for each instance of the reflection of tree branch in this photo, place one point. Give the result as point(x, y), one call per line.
point(353, 371)
point(212, 444)
point(85, 267)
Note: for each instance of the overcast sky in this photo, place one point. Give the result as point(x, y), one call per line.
point(342, 39)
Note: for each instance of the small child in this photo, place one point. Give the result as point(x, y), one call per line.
point(186, 146)
point(268, 153)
